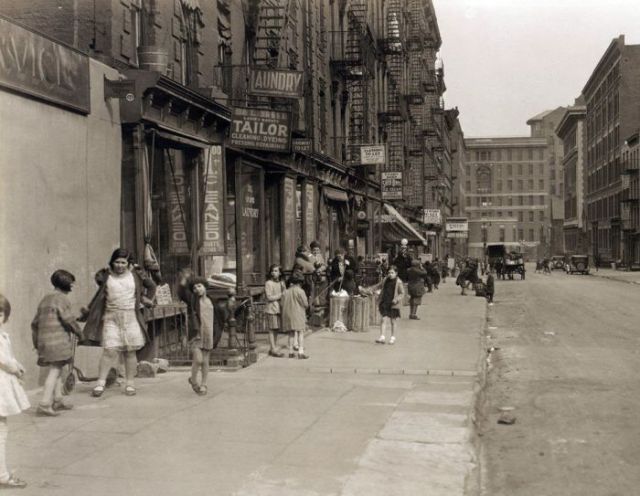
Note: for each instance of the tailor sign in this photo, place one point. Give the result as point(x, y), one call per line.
point(261, 129)
point(276, 82)
point(34, 65)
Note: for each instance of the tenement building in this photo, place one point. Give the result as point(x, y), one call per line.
point(571, 130)
point(219, 134)
point(630, 206)
point(611, 94)
point(506, 194)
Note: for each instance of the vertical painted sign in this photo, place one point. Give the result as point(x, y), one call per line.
point(310, 213)
point(213, 219)
point(176, 198)
point(289, 221)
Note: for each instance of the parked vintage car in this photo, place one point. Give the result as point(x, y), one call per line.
point(578, 263)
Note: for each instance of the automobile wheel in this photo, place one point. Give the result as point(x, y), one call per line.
point(580, 267)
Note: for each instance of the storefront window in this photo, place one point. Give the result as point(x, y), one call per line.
point(249, 196)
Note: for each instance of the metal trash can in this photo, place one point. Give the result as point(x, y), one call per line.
point(339, 310)
point(359, 314)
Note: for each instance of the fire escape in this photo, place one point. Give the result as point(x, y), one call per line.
point(393, 47)
point(276, 46)
point(417, 79)
point(353, 59)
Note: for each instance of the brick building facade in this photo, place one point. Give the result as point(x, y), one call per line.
point(611, 95)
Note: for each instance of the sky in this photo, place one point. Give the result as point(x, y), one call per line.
point(508, 60)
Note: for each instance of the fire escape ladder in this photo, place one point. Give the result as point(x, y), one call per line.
point(274, 17)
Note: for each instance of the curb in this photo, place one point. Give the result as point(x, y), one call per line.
point(612, 278)
point(474, 479)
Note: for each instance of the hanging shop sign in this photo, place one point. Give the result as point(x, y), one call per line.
point(372, 154)
point(392, 185)
point(302, 145)
point(457, 234)
point(213, 225)
point(431, 216)
point(457, 224)
point(276, 82)
point(37, 66)
point(176, 191)
point(261, 129)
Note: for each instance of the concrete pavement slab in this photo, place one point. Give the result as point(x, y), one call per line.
point(334, 424)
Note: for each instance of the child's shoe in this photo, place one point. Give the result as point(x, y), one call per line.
point(392, 339)
point(61, 405)
point(380, 340)
point(292, 355)
point(302, 356)
point(46, 411)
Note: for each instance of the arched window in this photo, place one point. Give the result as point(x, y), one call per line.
point(483, 179)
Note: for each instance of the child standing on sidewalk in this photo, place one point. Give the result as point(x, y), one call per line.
point(52, 330)
point(390, 301)
point(294, 317)
point(201, 310)
point(13, 399)
point(274, 288)
point(490, 288)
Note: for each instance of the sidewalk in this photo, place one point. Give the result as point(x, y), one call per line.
point(632, 277)
point(355, 419)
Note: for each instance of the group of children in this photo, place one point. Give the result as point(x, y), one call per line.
point(54, 329)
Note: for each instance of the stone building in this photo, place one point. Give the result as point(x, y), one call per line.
point(571, 130)
point(630, 206)
point(507, 194)
point(544, 125)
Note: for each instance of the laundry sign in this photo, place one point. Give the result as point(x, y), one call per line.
point(276, 82)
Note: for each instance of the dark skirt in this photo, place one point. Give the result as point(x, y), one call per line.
point(415, 300)
point(388, 311)
point(55, 363)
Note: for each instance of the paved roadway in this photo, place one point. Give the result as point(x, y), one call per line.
point(567, 361)
point(356, 419)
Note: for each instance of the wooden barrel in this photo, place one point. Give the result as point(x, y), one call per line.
point(153, 58)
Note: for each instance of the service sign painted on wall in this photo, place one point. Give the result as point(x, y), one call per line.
point(261, 129)
point(372, 154)
point(276, 82)
point(213, 225)
point(37, 66)
point(392, 185)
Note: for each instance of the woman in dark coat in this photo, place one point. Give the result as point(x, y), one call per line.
point(434, 273)
point(115, 319)
point(415, 279)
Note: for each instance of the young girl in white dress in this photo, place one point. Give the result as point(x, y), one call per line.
point(13, 399)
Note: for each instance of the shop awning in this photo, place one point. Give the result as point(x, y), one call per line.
point(335, 194)
point(401, 228)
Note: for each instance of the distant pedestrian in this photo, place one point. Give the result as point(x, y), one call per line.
point(13, 399)
point(403, 260)
point(294, 315)
point(274, 288)
point(489, 288)
point(202, 335)
point(337, 268)
point(392, 292)
point(415, 279)
point(54, 329)
point(115, 319)
point(434, 273)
